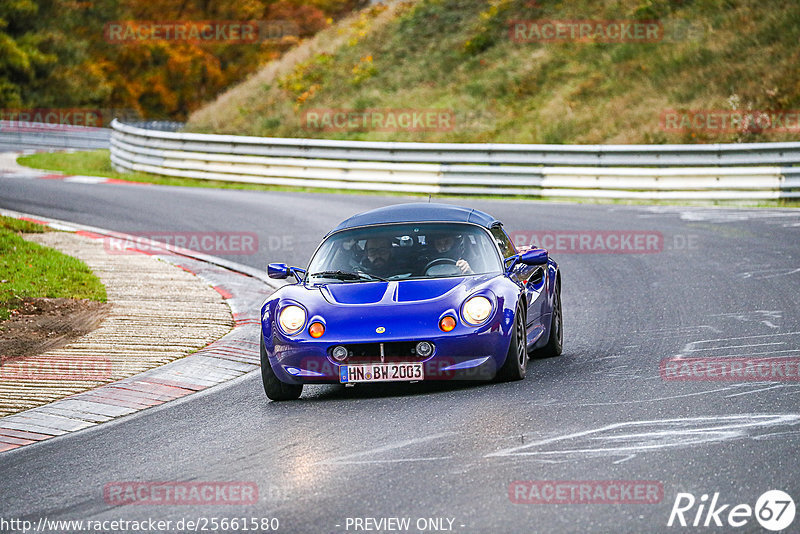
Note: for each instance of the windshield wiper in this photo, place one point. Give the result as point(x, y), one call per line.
point(348, 275)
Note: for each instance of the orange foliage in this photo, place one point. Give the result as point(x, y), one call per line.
point(169, 78)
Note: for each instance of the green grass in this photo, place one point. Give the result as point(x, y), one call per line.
point(97, 163)
point(88, 163)
point(458, 55)
point(11, 224)
point(29, 270)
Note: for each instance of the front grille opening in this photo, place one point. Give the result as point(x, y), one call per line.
point(395, 351)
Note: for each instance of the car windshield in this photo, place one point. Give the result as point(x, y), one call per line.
point(404, 251)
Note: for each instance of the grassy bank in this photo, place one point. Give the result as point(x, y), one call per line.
point(28, 270)
point(459, 55)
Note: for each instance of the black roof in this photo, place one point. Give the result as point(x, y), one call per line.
point(418, 212)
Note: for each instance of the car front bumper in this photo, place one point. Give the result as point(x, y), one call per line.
point(474, 356)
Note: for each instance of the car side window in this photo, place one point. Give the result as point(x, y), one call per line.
point(503, 241)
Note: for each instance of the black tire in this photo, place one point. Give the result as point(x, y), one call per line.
point(555, 345)
point(274, 388)
point(516, 364)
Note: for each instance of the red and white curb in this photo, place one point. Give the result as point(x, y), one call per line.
point(9, 168)
point(69, 178)
point(232, 356)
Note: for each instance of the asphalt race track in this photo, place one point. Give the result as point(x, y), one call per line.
point(722, 283)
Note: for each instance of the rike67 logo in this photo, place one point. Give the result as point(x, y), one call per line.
point(774, 510)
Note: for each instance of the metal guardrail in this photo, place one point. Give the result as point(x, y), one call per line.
point(14, 135)
point(722, 171)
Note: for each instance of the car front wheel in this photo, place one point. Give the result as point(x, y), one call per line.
point(516, 364)
point(274, 388)
point(555, 345)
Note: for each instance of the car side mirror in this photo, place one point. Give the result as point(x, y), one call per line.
point(279, 271)
point(536, 256)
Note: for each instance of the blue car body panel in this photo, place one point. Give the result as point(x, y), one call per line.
point(399, 312)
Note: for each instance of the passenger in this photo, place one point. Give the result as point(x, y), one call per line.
point(378, 256)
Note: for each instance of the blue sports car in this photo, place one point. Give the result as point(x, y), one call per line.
point(410, 292)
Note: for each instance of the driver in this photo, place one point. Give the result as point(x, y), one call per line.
point(446, 247)
point(378, 254)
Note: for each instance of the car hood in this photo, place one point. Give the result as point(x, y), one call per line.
point(355, 309)
point(393, 291)
point(401, 291)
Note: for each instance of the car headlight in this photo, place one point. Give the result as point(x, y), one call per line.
point(476, 310)
point(292, 319)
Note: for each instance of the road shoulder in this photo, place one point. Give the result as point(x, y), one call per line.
point(179, 324)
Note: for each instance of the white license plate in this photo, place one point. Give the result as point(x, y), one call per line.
point(381, 372)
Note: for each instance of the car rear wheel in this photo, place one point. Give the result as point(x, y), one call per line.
point(274, 388)
point(554, 345)
point(516, 364)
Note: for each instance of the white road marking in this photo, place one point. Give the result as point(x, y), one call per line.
point(676, 433)
point(678, 329)
point(768, 272)
point(758, 353)
point(781, 274)
point(746, 316)
point(398, 460)
point(745, 337)
point(725, 215)
point(776, 386)
point(694, 346)
point(741, 346)
point(658, 399)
